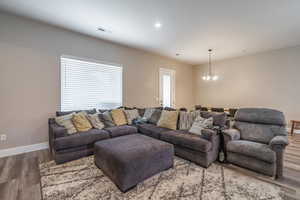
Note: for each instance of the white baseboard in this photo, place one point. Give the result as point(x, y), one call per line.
point(23, 149)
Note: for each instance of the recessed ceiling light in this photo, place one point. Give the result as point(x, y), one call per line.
point(157, 25)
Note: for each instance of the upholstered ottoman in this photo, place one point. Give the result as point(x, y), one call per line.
point(130, 159)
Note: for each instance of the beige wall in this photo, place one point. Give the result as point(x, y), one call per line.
point(270, 79)
point(30, 82)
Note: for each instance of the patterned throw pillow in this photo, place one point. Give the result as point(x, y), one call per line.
point(66, 121)
point(200, 124)
point(81, 122)
point(168, 119)
point(119, 117)
point(186, 119)
point(107, 119)
point(148, 113)
point(155, 116)
point(131, 115)
point(95, 121)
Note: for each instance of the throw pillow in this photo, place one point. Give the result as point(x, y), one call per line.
point(148, 113)
point(81, 122)
point(107, 119)
point(200, 124)
point(186, 119)
point(131, 115)
point(168, 119)
point(66, 121)
point(95, 121)
point(155, 116)
point(118, 117)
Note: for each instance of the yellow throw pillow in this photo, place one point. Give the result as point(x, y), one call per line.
point(119, 117)
point(81, 122)
point(168, 119)
point(66, 121)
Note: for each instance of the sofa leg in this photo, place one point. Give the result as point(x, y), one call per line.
point(279, 164)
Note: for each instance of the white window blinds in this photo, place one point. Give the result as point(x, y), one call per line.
point(86, 85)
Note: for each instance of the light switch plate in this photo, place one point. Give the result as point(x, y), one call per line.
point(3, 137)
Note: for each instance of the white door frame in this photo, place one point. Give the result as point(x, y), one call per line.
point(172, 73)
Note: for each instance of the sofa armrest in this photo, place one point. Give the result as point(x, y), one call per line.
point(58, 131)
point(231, 134)
point(208, 134)
point(278, 143)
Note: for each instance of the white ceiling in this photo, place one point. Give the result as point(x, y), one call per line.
point(189, 27)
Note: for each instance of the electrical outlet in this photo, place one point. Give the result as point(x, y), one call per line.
point(3, 137)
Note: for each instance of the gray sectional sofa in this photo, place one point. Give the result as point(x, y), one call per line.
point(202, 150)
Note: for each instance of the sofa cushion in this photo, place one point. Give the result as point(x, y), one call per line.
point(81, 138)
point(252, 149)
point(152, 130)
point(121, 130)
point(259, 132)
point(119, 117)
point(61, 113)
point(168, 119)
point(187, 140)
point(155, 116)
point(260, 115)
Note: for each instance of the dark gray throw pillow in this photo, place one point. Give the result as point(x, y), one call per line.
point(107, 119)
point(155, 116)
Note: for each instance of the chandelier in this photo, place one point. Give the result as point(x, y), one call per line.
point(210, 76)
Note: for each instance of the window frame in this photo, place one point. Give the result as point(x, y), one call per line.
point(92, 61)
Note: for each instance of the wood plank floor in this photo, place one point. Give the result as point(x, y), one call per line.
point(20, 178)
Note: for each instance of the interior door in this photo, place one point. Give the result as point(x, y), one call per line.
point(167, 87)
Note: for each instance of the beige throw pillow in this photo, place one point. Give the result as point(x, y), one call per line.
point(168, 119)
point(95, 121)
point(66, 121)
point(131, 115)
point(81, 122)
point(118, 117)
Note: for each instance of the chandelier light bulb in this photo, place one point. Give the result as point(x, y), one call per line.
point(215, 77)
point(204, 78)
point(208, 78)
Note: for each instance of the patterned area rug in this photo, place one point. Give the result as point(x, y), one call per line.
point(82, 180)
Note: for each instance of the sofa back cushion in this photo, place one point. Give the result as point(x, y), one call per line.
point(119, 117)
point(81, 122)
point(61, 113)
point(155, 116)
point(168, 119)
point(260, 116)
point(218, 118)
point(262, 133)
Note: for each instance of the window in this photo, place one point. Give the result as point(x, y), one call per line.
point(88, 84)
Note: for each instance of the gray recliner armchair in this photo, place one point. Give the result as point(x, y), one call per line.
point(257, 140)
